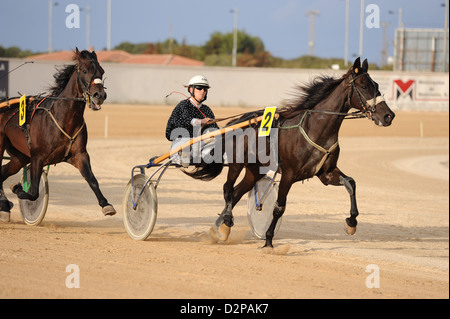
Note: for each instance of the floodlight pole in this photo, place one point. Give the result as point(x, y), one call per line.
point(88, 27)
point(445, 36)
point(235, 28)
point(311, 44)
point(361, 30)
point(108, 34)
point(347, 15)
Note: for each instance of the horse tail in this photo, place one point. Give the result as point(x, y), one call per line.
point(206, 171)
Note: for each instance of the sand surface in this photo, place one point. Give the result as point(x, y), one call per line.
point(403, 198)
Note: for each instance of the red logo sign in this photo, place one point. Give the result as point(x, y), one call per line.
point(404, 88)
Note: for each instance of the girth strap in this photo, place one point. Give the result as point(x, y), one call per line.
point(311, 142)
point(71, 139)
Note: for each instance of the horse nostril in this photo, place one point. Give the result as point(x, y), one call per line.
point(387, 119)
point(104, 96)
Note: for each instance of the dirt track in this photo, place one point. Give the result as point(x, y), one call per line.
point(402, 191)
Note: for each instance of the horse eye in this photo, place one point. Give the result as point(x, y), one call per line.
point(363, 87)
point(84, 71)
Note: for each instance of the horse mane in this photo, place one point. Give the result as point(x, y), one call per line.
point(306, 97)
point(309, 95)
point(62, 76)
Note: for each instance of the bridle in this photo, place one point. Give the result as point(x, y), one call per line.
point(94, 80)
point(368, 105)
point(85, 88)
point(86, 98)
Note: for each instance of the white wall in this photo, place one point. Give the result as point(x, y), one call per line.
point(249, 87)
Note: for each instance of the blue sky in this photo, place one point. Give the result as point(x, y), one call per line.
point(282, 24)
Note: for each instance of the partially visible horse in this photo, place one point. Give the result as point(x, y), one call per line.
point(308, 129)
point(55, 130)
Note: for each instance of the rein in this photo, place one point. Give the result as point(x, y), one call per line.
point(311, 142)
point(85, 98)
point(369, 106)
point(355, 115)
point(71, 138)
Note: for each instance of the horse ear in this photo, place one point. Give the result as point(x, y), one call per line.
point(94, 54)
point(365, 66)
point(77, 54)
point(357, 65)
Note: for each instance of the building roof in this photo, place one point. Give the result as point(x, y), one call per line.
point(119, 56)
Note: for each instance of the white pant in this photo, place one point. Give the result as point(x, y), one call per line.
point(200, 150)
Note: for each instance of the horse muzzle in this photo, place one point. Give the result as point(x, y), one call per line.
point(96, 100)
point(383, 116)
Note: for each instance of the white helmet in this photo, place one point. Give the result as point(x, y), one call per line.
point(199, 80)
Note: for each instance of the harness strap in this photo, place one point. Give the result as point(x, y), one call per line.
point(71, 139)
point(311, 142)
point(37, 106)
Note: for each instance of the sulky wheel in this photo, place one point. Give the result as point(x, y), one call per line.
point(140, 220)
point(33, 212)
point(260, 219)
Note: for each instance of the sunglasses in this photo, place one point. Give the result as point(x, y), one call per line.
point(197, 87)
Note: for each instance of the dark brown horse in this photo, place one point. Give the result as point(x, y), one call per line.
point(55, 130)
point(308, 129)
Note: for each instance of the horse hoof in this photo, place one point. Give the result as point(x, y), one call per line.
point(350, 230)
point(108, 210)
point(6, 206)
point(213, 235)
point(223, 231)
point(15, 188)
point(5, 217)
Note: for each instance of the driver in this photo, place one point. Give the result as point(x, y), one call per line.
point(189, 118)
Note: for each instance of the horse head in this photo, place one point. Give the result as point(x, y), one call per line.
point(365, 96)
point(89, 77)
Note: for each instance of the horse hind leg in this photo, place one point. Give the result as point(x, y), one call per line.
point(225, 221)
point(5, 204)
point(12, 167)
point(5, 207)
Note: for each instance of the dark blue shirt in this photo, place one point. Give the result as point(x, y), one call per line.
point(182, 116)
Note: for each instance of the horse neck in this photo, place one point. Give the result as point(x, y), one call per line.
point(336, 101)
point(70, 110)
point(329, 129)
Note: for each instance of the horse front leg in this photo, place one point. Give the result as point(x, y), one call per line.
point(280, 206)
point(337, 178)
point(82, 162)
